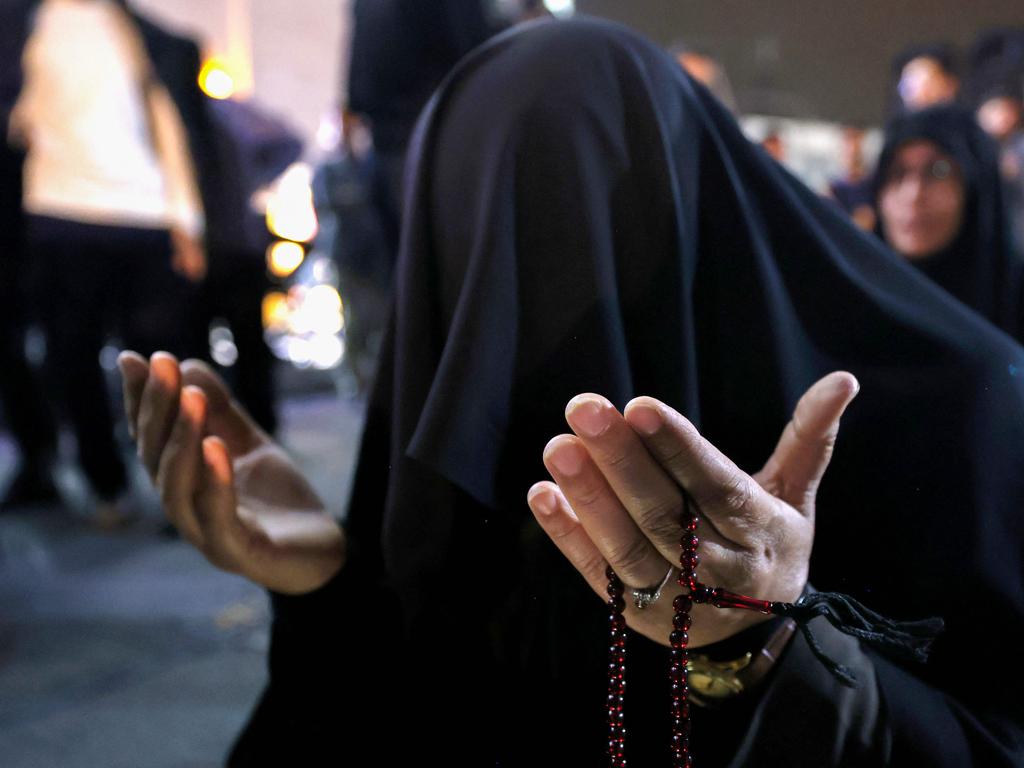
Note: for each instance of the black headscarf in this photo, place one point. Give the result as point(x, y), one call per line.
point(982, 266)
point(583, 217)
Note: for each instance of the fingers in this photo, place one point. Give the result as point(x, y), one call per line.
point(172, 409)
point(800, 459)
point(134, 372)
point(225, 417)
point(558, 521)
point(180, 465)
point(651, 497)
point(607, 524)
point(158, 409)
point(216, 506)
point(732, 502)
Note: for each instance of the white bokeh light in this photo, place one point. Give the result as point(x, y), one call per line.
point(561, 7)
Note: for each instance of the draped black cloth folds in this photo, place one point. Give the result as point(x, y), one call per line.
point(583, 217)
point(983, 266)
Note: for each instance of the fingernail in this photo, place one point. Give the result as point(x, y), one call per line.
point(567, 458)
point(645, 419)
point(192, 406)
point(588, 417)
point(542, 503)
point(166, 375)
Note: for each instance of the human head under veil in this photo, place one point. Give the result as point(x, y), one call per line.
point(941, 205)
point(583, 217)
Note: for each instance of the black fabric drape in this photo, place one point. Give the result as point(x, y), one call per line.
point(583, 217)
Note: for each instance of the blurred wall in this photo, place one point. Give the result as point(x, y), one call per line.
point(828, 60)
point(287, 53)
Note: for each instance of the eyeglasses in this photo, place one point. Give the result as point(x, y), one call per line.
point(934, 172)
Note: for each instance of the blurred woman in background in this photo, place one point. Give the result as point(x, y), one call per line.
point(940, 205)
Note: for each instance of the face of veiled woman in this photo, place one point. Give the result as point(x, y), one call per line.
point(921, 202)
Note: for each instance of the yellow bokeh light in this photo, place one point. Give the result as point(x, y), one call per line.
point(215, 79)
point(275, 311)
point(284, 257)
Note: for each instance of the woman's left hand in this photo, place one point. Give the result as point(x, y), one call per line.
point(618, 500)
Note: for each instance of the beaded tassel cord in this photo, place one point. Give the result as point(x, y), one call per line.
point(909, 639)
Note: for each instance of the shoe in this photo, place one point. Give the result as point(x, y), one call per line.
point(31, 487)
point(115, 514)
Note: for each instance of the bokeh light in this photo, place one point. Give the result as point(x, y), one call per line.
point(215, 79)
point(290, 211)
point(284, 257)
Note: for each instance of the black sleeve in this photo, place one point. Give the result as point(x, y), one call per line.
point(333, 666)
point(889, 718)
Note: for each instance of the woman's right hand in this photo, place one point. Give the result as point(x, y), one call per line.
point(226, 486)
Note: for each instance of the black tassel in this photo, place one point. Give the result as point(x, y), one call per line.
point(908, 640)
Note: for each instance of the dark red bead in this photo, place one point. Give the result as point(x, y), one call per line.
point(615, 589)
point(677, 669)
point(678, 639)
point(700, 594)
point(690, 542)
point(690, 524)
point(678, 690)
point(680, 708)
point(617, 604)
point(681, 728)
point(609, 573)
point(678, 655)
point(617, 621)
point(682, 604)
point(682, 621)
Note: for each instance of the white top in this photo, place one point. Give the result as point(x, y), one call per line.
point(96, 151)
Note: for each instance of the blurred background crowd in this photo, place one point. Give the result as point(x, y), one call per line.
point(223, 180)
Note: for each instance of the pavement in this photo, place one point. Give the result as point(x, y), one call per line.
point(128, 649)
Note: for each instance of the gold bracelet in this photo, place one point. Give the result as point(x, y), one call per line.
point(714, 681)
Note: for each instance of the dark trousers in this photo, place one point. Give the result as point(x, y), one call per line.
point(22, 398)
point(25, 406)
point(91, 282)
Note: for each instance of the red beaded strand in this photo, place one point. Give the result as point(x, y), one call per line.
point(616, 672)
point(680, 638)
